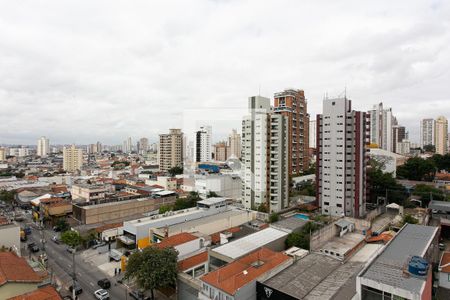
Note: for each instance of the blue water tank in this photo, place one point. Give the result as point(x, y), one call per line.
point(418, 266)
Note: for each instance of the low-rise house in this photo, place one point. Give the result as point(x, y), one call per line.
point(47, 292)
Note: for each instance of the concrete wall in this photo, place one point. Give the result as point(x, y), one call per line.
point(323, 235)
point(187, 248)
point(187, 288)
point(444, 280)
point(10, 236)
point(9, 290)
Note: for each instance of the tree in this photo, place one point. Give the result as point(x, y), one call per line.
point(7, 196)
point(62, 224)
point(153, 268)
point(418, 169)
point(262, 208)
point(212, 194)
point(274, 217)
point(428, 193)
point(442, 162)
point(429, 148)
point(175, 171)
point(409, 219)
point(301, 239)
point(164, 208)
point(71, 238)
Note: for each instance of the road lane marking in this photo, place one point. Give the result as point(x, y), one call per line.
point(91, 283)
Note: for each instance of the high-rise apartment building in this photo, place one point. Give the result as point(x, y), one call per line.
point(72, 158)
point(292, 104)
point(43, 147)
point(2, 154)
point(143, 145)
point(342, 137)
point(381, 122)
point(170, 150)
point(427, 134)
point(265, 160)
point(221, 151)
point(398, 135)
point(441, 131)
point(234, 145)
point(312, 134)
point(203, 144)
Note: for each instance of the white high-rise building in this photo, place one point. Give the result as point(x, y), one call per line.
point(234, 144)
point(427, 135)
point(72, 159)
point(341, 159)
point(143, 145)
point(381, 122)
point(441, 135)
point(265, 161)
point(43, 147)
point(312, 134)
point(203, 145)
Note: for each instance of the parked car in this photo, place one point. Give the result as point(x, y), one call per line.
point(27, 230)
point(78, 289)
point(138, 295)
point(104, 283)
point(441, 246)
point(56, 239)
point(71, 250)
point(33, 247)
point(101, 294)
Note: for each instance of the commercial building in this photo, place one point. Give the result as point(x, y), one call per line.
point(269, 238)
point(381, 120)
point(43, 147)
point(427, 132)
point(170, 150)
point(72, 159)
point(237, 280)
point(342, 137)
point(441, 132)
point(292, 104)
point(203, 144)
point(265, 159)
point(403, 270)
point(234, 144)
point(89, 192)
point(228, 186)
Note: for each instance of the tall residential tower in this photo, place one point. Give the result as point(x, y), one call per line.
point(43, 147)
point(342, 135)
point(170, 150)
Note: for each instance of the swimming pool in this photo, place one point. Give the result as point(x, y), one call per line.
point(301, 216)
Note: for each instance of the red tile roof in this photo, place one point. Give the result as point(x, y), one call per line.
point(176, 240)
point(16, 269)
point(193, 261)
point(215, 237)
point(44, 293)
point(237, 274)
point(445, 262)
point(108, 226)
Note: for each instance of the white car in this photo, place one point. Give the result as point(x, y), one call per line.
point(101, 294)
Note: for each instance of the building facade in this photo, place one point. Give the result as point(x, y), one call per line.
point(381, 122)
point(342, 136)
point(427, 128)
point(441, 131)
point(398, 135)
point(170, 150)
point(265, 160)
point(292, 104)
point(221, 151)
point(43, 147)
point(234, 144)
point(72, 159)
point(2, 154)
point(312, 134)
point(203, 144)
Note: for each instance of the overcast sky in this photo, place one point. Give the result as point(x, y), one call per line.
point(82, 71)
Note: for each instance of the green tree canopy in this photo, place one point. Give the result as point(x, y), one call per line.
point(417, 168)
point(428, 193)
point(442, 162)
point(62, 224)
point(153, 268)
point(71, 238)
point(429, 148)
point(409, 219)
point(301, 239)
point(274, 217)
point(175, 171)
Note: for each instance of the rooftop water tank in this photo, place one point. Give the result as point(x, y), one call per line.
point(418, 266)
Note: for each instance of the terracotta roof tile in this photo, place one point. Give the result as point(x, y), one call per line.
point(192, 261)
point(44, 293)
point(16, 269)
point(237, 274)
point(176, 240)
point(108, 226)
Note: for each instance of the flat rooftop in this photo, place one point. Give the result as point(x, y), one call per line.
point(290, 224)
point(344, 243)
point(249, 243)
point(212, 200)
point(387, 267)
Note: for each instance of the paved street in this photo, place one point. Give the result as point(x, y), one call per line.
point(60, 264)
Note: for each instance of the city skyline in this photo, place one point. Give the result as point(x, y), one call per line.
point(135, 76)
